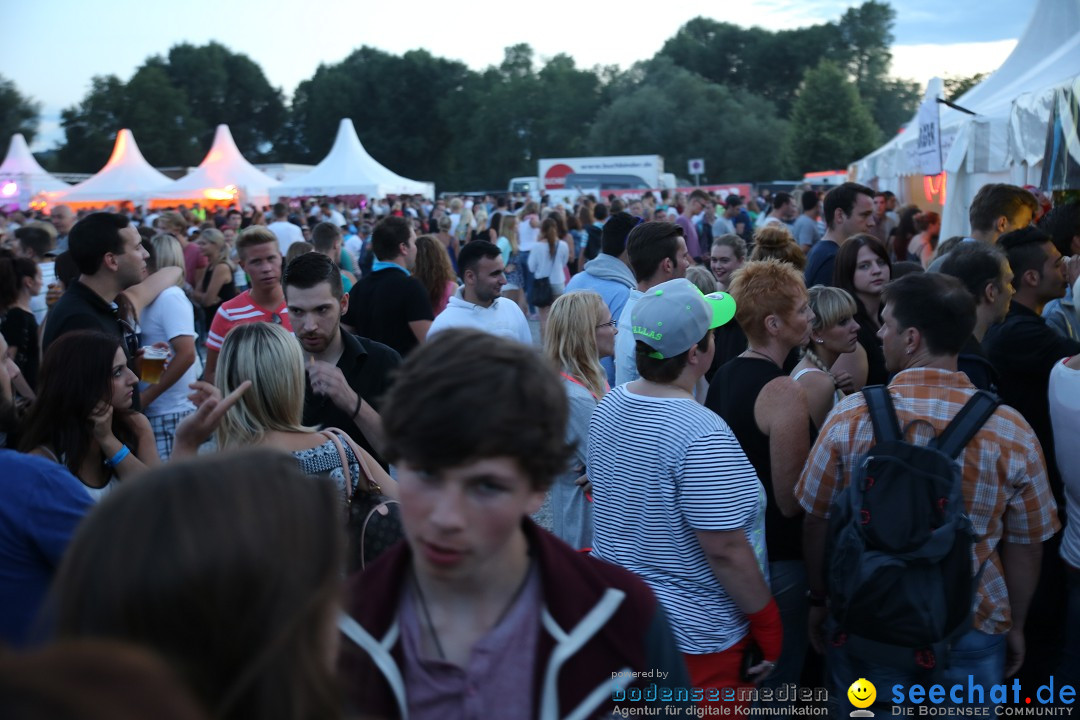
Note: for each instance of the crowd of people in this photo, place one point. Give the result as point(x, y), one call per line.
point(623, 444)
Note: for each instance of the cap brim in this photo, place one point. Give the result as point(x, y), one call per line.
point(723, 308)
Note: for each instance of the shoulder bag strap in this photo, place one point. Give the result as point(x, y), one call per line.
point(346, 471)
point(882, 413)
point(343, 437)
point(967, 422)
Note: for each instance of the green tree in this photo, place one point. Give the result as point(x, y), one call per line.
point(18, 113)
point(221, 86)
point(955, 87)
point(90, 127)
point(159, 115)
point(830, 125)
point(678, 114)
point(895, 104)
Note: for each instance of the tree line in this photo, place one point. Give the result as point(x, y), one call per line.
point(756, 104)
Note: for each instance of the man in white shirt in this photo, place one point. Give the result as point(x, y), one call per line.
point(477, 304)
point(285, 231)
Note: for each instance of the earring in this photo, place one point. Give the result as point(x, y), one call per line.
point(819, 341)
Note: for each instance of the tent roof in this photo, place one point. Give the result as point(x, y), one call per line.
point(348, 169)
point(1015, 100)
point(20, 165)
point(127, 176)
point(223, 166)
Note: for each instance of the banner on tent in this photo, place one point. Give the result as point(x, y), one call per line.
point(928, 151)
point(1061, 159)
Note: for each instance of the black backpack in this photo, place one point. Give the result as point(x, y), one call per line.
point(900, 543)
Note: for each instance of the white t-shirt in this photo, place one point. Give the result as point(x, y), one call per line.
point(1065, 419)
point(662, 469)
point(170, 316)
point(527, 235)
point(286, 233)
point(541, 264)
point(38, 306)
point(504, 318)
point(625, 359)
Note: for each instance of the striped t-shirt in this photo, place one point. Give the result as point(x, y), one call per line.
point(662, 468)
point(240, 311)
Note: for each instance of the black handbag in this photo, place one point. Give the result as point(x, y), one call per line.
point(373, 521)
point(541, 295)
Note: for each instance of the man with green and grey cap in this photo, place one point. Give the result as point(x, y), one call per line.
point(676, 500)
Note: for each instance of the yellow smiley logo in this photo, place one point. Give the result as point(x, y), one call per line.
point(862, 693)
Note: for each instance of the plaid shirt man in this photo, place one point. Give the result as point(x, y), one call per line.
point(1004, 474)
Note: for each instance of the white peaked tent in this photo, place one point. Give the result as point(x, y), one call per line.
point(1005, 140)
point(126, 177)
point(21, 177)
point(223, 174)
point(349, 170)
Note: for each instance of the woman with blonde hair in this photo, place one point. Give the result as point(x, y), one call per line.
point(270, 413)
point(296, 250)
point(218, 283)
point(449, 242)
point(776, 241)
point(170, 320)
point(833, 333)
point(547, 261)
point(512, 265)
point(580, 331)
point(433, 270)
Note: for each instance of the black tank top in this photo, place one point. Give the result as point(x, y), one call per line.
point(226, 292)
point(732, 394)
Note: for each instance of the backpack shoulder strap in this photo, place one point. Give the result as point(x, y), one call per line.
point(967, 422)
point(882, 413)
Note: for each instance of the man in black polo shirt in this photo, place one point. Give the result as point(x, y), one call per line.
point(388, 305)
point(108, 251)
point(347, 375)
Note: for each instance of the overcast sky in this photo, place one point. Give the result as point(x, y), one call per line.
point(51, 48)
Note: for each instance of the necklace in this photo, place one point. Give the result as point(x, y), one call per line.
point(758, 352)
point(502, 615)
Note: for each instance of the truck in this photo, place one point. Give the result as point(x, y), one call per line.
point(592, 174)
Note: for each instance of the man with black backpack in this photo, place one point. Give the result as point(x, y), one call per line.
point(921, 567)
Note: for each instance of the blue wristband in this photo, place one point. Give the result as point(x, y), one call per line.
point(118, 458)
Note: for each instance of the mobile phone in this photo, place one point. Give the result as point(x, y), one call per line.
point(752, 656)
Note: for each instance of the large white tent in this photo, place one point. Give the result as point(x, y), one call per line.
point(349, 170)
point(127, 177)
point(1006, 138)
point(21, 177)
point(223, 175)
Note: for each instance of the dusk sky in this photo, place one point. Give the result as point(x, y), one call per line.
point(52, 48)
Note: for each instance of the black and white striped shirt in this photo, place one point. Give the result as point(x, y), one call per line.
point(662, 468)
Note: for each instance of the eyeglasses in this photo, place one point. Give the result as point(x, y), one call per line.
point(609, 323)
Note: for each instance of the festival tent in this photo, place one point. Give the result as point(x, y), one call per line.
point(223, 176)
point(21, 177)
point(127, 177)
point(349, 170)
point(1005, 140)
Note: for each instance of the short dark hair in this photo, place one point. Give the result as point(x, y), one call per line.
point(281, 210)
point(93, 237)
point(473, 252)
point(996, 200)
point(937, 305)
point(976, 265)
point(324, 235)
point(453, 376)
point(600, 211)
point(1062, 224)
point(388, 237)
point(843, 197)
point(781, 199)
point(663, 370)
point(810, 200)
point(1024, 248)
point(36, 240)
point(308, 270)
point(732, 201)
point(615, 231)
point(649, 244)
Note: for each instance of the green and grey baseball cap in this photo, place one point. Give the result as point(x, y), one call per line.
point(675, 315)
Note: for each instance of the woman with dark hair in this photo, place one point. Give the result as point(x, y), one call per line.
point(921, 247)
point(82, 417)
point(900, 238)
point(863, 269)
point(229, 567)
point(19, 326)
point(433, 270)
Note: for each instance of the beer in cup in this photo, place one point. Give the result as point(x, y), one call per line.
point(153, 363)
